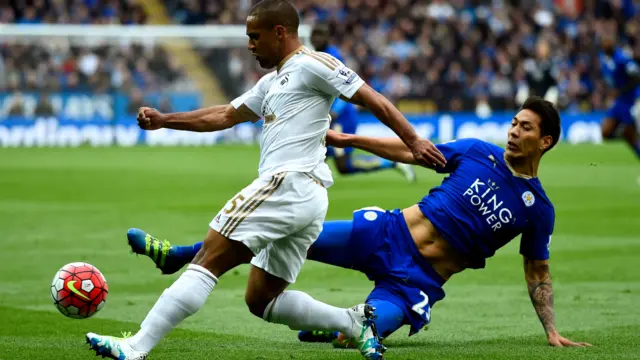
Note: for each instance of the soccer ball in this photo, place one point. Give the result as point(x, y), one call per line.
point(79, 290)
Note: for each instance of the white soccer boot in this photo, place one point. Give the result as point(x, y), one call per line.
point(364, 334)
point(114, 348)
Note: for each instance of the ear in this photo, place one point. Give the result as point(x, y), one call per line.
point(280, 31)
point(545, 142)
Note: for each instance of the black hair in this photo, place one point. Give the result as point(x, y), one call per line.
point(271, 13)
point(549, 117)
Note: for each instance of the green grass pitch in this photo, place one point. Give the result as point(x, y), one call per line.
point(63, 205)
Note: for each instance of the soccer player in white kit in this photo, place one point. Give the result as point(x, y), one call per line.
point(272, 222)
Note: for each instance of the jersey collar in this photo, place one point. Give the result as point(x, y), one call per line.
point(513, 172)
point(294, 52)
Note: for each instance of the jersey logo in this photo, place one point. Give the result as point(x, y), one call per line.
point(370, 215)
point(284, 81)
point(528, 198)
point(493, 160)
point(347, 75)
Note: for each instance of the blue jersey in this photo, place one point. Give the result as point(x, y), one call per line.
point(333, 51)
point(478, 208)
point(618, 70)
point(482, 204)
point(346, 116)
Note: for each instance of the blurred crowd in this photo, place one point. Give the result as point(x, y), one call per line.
point(459, 54)
point(52, 65)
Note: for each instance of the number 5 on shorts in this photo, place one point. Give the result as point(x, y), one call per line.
point(234, 203)
point(420, 307)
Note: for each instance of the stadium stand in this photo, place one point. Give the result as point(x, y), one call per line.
point(457, 53)
point(451, 55)
point(53, 66)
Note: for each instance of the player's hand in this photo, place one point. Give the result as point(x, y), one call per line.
point(557, 340)
point(427, 154)
point(150, 119)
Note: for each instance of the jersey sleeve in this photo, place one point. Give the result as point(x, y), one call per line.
point(453, 152)
point(326, 74)
point(254, 97)
point(536, 241)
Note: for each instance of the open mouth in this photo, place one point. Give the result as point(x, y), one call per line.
point(512, 146)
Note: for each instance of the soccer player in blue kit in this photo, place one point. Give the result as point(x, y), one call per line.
point(623, 74)
point(491, 196)
point(344, 119)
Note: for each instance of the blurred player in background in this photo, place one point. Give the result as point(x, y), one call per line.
point(540, 75)
point(272, 222)
point(344, 119)
point(491, 196)
point(623, 75)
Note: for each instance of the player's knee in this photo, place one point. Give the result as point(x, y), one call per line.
point(220, 256)
point(257, 305)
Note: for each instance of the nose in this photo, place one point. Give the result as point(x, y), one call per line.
point(513, 132)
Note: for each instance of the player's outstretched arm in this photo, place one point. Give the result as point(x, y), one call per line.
point(203, 120)
point(540, 289)
point(389, 148)
point(423, 150)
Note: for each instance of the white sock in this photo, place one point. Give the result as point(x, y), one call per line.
point(184, 298)
point(300, 311)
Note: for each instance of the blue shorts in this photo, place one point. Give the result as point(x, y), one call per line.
point(381, 247)
point(348, 127)
point(621, 111)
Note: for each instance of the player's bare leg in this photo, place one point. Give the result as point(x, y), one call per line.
point(184, 298)
point(630, 134)
point(265, 297)
point(608, 128)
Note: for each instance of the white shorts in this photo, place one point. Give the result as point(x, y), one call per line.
point(278, 217)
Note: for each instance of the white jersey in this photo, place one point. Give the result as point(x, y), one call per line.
point(295, 103)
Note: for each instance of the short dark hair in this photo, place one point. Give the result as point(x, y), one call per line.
point(271, 13)
point(549, 117)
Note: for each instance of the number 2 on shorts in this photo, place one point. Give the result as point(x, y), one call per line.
point(420, 307)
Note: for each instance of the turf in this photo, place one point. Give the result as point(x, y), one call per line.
point(63, 205)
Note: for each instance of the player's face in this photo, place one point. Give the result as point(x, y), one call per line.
point(525, 139)
point(264, 44)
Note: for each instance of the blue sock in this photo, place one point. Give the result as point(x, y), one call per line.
point(188, 252)
point(389, 318)
point(367, 163)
